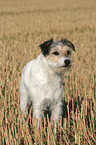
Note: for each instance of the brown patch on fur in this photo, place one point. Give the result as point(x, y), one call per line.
point(64, 52)
point(69, 44)
point(55, 58)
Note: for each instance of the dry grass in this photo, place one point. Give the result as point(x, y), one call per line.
point(23, 26)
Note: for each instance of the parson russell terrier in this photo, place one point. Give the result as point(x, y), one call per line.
point(41, 80)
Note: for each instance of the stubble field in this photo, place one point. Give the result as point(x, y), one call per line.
point(23, 26)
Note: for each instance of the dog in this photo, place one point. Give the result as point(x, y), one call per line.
point(41, 80)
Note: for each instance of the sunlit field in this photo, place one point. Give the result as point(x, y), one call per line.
point(24, 25)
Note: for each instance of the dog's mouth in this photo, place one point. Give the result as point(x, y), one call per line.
point(66, 66)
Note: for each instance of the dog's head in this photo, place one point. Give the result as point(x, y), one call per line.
point(58, 54)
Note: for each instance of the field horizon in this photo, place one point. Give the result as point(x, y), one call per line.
point(24, 25)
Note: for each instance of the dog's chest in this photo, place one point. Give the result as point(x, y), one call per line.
point(52, 90)
point(44, 85)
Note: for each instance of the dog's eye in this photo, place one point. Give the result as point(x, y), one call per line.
point(68, 52)
point(56, 53)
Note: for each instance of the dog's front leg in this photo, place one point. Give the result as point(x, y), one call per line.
point(56, 113)
point(37, 112)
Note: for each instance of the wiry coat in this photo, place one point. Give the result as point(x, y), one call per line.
point(41, 82)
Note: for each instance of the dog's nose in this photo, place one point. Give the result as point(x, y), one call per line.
point(67, 62)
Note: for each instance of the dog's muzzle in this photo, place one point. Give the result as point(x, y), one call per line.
point(67, 63)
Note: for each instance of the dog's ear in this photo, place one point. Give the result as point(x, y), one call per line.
point(68, 43)
point(45, 46)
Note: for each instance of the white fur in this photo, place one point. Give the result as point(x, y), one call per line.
point(42, 86)
point(41, 83)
